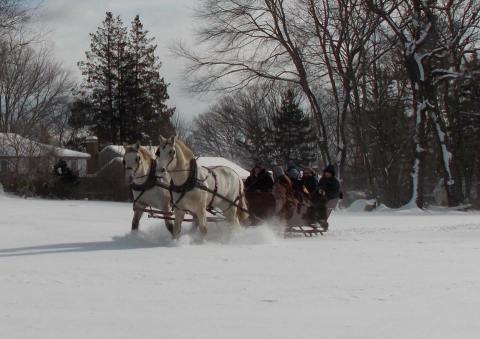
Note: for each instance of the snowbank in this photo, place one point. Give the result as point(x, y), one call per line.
point(360, 205)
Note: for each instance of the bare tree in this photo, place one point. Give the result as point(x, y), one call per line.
point(12, 15)
point(338, 53)
point(458, 36)
point(417, 25)
point(32, 89)
point(412, 38)
point(182, 128)
point(253, 41)
point(235, 127)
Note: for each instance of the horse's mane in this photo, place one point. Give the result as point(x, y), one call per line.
point(185, 151)
point(144, 153)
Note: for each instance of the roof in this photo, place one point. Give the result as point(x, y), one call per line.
point(119, 150)
point(15, 145)
point(219, 161)
point(68, 153)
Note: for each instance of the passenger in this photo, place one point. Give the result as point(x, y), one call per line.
point(259, 180)
point(277, 172)
point(294, 174)
point(317, 210)
point(283, 193)
point(300, 192)
point(309, 180)
point(331, 186)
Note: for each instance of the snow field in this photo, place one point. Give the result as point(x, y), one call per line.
point(71, 269)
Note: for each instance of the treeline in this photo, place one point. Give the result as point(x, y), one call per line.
point(390, 88)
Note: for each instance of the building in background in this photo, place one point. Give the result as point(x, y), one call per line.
point(20, 156)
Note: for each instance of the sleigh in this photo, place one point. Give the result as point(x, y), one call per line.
point(261, 207)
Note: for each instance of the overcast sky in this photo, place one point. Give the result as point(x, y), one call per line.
point(69, 22)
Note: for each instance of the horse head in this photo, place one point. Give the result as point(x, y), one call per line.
point(166, 155)
point(135, 161)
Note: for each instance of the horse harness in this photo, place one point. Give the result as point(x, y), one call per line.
point(150, 183)
point(193, 182)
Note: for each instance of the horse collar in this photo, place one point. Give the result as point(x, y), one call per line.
point(190, 183)
point(149, 183)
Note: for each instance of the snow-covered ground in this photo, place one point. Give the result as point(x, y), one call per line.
point(70, 269)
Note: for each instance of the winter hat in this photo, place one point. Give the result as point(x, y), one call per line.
point(293, 173)
point(330, 169)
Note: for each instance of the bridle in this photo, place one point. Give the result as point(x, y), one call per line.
point(136, 161)
point(151, 176)
point(172, 154)
point(190, 183)
point(134, 170)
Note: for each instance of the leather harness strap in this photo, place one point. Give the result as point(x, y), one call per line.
point(150, 183)
point(187, 186)
point(215, 190)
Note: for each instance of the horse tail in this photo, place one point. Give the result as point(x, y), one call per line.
point(242, 208)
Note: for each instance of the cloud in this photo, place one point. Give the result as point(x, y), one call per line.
point(70, 22)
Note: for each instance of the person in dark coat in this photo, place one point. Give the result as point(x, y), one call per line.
point(61, 168)
point(309, 180)
point(259, 180)
point(294, 175)
point(329, 183)
point(316, 213)
point(331, 186)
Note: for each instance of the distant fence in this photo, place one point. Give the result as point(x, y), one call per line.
point(55, 187)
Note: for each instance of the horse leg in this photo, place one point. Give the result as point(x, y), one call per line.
point(232, 217)
point(177, 225)
point(137, 215)
point(202, 221)
point(168, 223)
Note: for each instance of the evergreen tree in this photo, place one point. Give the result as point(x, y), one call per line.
point(292, 135)
point(122, 85)
point(101, 72)
point(147, 90)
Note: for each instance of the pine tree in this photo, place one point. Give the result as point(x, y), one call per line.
point(122, 85)
point(101, 72)
point(147, 89)
point(292, 136)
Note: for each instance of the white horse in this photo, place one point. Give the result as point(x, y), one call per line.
point(146, 188)
point(196, 189)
